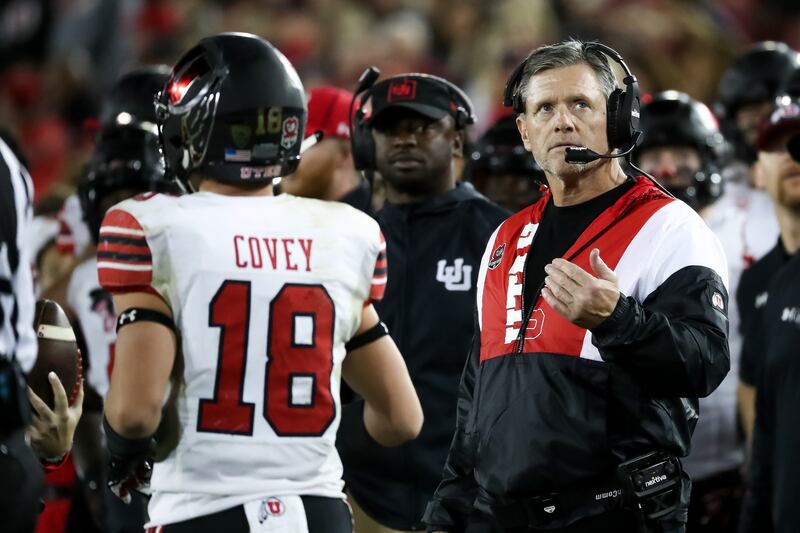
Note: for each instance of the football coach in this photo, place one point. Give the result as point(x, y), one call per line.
point(601, 316)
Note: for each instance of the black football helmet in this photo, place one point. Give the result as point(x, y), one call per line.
point(500, 151)
point(233, 110)
point(500, 155)
point(127, 156)
point(755, 76)
point(791, 85)
point(673, 118)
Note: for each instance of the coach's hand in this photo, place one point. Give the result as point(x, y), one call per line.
point(578, 296)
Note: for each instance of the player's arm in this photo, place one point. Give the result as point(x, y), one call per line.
point(144, 355)
point(378, 373)
point(145, 348)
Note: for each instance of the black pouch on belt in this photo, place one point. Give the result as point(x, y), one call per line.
point(652, 484)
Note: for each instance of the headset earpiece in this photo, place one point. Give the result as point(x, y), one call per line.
point(622, 116)
point(361, 141)
point(614, 119)
point(465, 113)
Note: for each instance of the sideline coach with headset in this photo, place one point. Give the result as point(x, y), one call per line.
point(601, 317)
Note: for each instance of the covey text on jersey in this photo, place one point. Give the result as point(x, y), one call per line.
point(277, 253)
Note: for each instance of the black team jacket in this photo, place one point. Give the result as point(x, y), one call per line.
point(434, 249)
point(545, 404)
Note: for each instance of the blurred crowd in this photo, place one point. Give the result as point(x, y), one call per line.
point(57, 57)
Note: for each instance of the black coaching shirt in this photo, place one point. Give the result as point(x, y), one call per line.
point(559, 229)
point(774, 477)
point(751, 297)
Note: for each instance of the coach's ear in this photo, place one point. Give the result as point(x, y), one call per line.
point(522, 127)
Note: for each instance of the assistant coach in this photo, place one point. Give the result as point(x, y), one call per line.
point(601, 317)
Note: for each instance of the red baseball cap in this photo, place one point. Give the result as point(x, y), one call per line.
point(328, 109)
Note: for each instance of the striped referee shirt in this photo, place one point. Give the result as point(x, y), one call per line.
point(17, 299)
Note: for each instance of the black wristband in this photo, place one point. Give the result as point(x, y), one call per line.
point(371, 335)
point(141, 314)
point(124, 449)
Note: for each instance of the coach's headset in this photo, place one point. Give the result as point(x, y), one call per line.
point(622, 116)
point(363, 145)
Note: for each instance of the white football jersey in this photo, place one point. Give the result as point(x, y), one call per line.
point(744, 222)
point(74, 235)
point(265, 292)
point(94, 310)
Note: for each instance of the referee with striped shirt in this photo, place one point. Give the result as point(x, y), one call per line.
point(49, 432)
point(21, 475)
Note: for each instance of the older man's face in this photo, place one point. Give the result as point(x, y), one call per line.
point(565, 107)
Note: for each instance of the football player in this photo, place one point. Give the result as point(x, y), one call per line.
point(127, 161)
point(255, 299)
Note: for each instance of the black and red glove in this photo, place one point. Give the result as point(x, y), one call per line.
point(130, 464)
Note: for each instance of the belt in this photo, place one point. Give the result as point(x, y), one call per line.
point(649, 485)
point(591, 498)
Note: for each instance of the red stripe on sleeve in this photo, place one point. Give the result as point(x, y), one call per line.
point(380, 273)
point(117, 218)
point(124, 260)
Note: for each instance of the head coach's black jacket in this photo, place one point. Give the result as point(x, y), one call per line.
point(434, 249)
point(543, 410)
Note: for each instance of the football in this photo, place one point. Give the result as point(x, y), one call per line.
point(58, 352)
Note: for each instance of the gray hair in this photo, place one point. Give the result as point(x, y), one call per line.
point(565, 54)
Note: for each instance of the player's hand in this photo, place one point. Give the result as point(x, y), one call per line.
point(578, 296)
point(52, 430)
point(126, 476)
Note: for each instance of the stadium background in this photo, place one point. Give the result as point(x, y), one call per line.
point(58, 56)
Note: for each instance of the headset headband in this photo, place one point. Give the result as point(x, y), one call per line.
point(512, 99)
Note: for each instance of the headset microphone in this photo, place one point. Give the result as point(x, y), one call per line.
point(582, 155)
